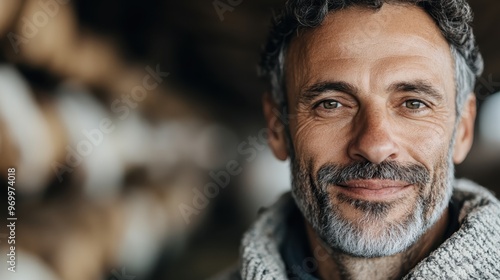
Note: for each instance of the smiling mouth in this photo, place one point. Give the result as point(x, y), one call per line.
point(373, 189)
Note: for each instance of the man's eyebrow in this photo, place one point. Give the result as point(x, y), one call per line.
point(317, 89)
point(418, 86)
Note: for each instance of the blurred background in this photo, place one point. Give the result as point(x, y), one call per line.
point(138, 139)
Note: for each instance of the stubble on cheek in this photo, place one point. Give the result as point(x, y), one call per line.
point(437, 190)
point(312, 200)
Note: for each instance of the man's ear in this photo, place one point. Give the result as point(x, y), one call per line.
point(275, 127)
point(465, 130)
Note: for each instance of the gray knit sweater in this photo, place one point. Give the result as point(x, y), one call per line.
point(472, 252)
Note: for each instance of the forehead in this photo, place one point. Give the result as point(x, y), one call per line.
point(357, 36)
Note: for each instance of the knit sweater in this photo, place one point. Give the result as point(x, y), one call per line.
point(471, 252)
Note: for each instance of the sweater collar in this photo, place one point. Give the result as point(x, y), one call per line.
point(471, 251)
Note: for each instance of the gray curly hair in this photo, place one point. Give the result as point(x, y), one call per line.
point(453, 17)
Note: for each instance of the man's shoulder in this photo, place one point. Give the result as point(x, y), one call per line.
point(472, 251)
point(473, 195)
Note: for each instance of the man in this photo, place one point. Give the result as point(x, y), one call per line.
point(372, 102)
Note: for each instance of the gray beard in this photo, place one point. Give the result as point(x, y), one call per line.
point(372, 235)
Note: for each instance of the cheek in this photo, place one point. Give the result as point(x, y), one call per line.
point(421, 141)
point(321, 141)
point(428, 144)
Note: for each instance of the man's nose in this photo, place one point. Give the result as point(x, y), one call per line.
point(372, 139)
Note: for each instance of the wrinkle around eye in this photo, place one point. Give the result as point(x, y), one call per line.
point(302, 130)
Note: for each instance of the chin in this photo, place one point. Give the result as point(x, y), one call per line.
point(377, 229)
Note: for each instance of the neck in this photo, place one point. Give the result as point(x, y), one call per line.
point(333, 264)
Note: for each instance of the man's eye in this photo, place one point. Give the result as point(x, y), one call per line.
point(414, 104)
point(330, 104)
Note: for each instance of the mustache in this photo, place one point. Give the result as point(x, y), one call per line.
point(333, 174)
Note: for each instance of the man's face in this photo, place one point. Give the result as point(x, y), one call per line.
point(371, 103)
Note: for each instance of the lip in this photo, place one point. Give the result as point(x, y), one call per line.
point(376, 190)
